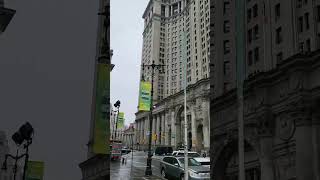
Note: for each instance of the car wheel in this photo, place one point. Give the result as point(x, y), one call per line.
point(163, 173)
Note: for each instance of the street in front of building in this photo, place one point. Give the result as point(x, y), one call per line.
point(134, 168)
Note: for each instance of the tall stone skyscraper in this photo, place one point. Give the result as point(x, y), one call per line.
point(165, 22)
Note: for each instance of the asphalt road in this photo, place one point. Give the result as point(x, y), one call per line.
point(134, 168)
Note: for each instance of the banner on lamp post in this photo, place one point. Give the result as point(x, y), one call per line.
point(101, 130)
point(35, 170)
point(120, 120)
point(145, 96)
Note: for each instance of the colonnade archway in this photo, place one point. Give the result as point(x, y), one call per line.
point(226, 165)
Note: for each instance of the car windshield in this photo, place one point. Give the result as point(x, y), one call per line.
point(189, 154)
point(191, 162)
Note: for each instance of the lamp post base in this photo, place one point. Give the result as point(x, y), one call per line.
point(148, 169)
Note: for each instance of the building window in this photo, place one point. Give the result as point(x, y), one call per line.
point(308, 44)
point(250, 35)
point(226, 67)
point(306, 19)
point(226, 26)
point(299, 3)
point(279, 57)
point(250, 58)
point(249, 14)
point(256, 54)
point(277, 11)
point(255, 10)
point(300, 24)
point(226, 7)
point(225, 86)
point(226, 45)
point(278, 35)
point(256, 32)
point(163, 10)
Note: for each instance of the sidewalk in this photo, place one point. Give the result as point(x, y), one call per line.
point(129, 171)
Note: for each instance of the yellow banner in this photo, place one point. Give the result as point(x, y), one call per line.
point(145, 96)
point(120, 120)
point(35, 170)
point(102, 119)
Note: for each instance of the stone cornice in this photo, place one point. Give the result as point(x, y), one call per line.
point(147, 8)
point(294, 63)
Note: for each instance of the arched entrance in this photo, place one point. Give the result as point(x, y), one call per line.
point(226, 165)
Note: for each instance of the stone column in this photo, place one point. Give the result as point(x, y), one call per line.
point(304, 155)
point(154, 122)
point(265, 131)
point(158, 129)
point(146, 132)
point(194, 128)
point(167, 136)
point(206, 119)
point(173, 130)
point(163, 129)
point(267, 170)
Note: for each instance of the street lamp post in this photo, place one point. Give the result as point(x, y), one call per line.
point(24, 134)
point(149, 159)
point(114, 123)
point(117, 105)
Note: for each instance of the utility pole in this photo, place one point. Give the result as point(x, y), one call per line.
point(149, 159)
point(240, 51)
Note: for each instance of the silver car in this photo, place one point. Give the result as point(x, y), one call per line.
point(173, 168)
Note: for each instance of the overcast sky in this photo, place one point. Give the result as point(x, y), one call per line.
point(126, 41)
point(46, 71)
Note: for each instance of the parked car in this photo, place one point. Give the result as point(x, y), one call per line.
point(163, 150)
point(173, 168)
point(204, 161)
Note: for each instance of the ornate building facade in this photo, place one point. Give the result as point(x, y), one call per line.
point(281, 90)
point(166, 21)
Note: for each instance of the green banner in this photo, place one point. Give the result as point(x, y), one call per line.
point(35, 170)
point(120, 120)
point(101, 130)
point(145, 96)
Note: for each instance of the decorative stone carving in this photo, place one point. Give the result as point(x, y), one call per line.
point(285, 127)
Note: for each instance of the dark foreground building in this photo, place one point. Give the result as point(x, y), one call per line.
point(282, 124)
point(281, 89)
point(97, 166)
